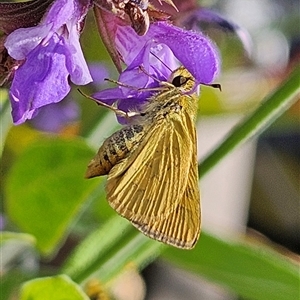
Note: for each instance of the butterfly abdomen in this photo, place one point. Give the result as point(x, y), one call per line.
point(114, 148)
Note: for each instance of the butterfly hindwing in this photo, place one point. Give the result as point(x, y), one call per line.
point(181, 228)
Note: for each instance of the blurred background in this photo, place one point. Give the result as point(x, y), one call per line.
point(254, 192)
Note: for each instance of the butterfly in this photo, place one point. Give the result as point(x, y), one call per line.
point(151, 165)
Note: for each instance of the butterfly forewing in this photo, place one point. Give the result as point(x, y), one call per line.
point(156, 187)
point(141, 188)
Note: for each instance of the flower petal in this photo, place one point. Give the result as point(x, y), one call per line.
point(53, 117)
point(129, 44)
point(59, 13)
point(76, 64)
point(109, 96)
point(41, 80)
point(20, 42)
point(131, 104)
point(195, 51)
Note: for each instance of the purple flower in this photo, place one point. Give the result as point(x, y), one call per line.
point(193, 50)
point(50, 53)
point(158, 52)
point(54, 117)
point(2, 222)
point(99, 72)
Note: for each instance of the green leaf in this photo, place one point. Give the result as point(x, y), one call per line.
point(5, 118)
point(112, 252)
point(253, 272)
point(10, 283)
point(272, 107)
point(87, 253)
point(7, 236)
point(59, 287)
point(46, 189)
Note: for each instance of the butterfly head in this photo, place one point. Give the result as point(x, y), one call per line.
point(182, 79)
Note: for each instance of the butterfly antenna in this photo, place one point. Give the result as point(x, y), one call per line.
point(99, 102)
point(158, 58)
point(214, 85)
point(121, 84)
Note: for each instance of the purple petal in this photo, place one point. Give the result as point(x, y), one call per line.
point(76, 64)
point(156, 52)
point(153, 67)
point(128, 43)
point(195, 51)
point(60, 12)
point(131, 104)
point(53, 117)
point(41, 80)
point(20, 42)
point(132, 47)
point(110, 96)
point(63, 12)
point(98, 72)
point(134, 78)
point(166, 56)
point(3, 222)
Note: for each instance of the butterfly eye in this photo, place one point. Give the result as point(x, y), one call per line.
point(178, 81)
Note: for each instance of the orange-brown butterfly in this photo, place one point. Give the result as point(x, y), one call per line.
point(152, 165)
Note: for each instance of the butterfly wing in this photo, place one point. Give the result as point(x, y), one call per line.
point(181, 228)
point(158, 184)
